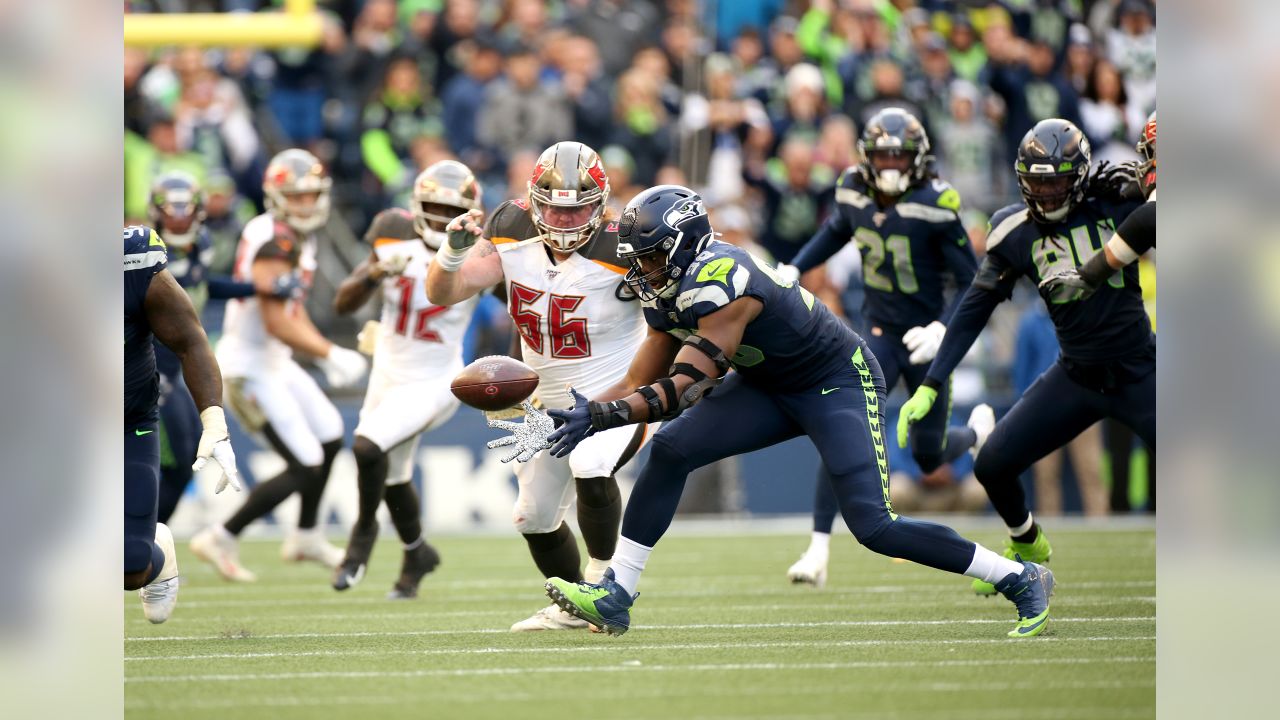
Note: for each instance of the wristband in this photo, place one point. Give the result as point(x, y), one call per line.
point(449, 259)
point(605, 416)
point(214, 421)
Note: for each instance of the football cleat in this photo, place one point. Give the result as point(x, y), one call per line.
point(310, 544)
point(606, 605)
point(810, 569)
point(982, 420)
point(1030, 593)
point(417, 563)
point(161, 595)
point(220, 548)
point(351, 570)
point(1037, 551)
point(550, 617)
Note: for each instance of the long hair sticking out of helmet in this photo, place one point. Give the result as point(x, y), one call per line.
point(442, 192)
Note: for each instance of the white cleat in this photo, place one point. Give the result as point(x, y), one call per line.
point(550, 617)
point(220, 548)
point(810, 569)
point(160, 597)
point(983, 421)
point(311, 544)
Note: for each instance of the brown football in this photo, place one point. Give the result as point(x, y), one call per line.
point(495, 382)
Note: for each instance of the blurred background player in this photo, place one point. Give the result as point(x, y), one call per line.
point(269, 392)
point(156, 307)
point(176, 211)
point(1107, 368)
point(417, 350)
point(557, 257)
point(907, 227)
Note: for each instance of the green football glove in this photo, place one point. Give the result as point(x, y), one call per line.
point(914, 410)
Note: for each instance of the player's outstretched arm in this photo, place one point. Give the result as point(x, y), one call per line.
point(466, 264)
point(652, 359)
point(173, 321)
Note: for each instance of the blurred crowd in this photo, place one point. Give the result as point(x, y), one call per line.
point(755, 103)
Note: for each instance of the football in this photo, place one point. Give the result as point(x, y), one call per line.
point(495, 382)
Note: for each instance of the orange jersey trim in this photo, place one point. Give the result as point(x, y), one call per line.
point(611, 268)
point(502, 240)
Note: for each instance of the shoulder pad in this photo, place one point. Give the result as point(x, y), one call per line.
point(1004, 222)
point(510, 222)
point(713, 282)
point(393, 223)
point(144, 249)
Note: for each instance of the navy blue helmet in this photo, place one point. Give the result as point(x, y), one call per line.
point(1053, 169)
point(660, 233)
point(176, 209)
point(893, 152)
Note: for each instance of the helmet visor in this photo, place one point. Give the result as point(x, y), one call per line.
point(890, 159)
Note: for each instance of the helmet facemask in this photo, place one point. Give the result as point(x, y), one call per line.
point(297, 190)
point(177, 215)
point(651, 275)
point(566, 218)
point(441, 193)
point(892, 170)
point(1051, 195)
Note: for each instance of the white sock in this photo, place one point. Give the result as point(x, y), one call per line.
point(991, 567)
point(628, 562)
point(1022, 529)
point(595, 570)
point(414, 545)
point(819, 544)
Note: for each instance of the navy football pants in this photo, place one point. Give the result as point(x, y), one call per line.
point(141, 483)
point(1054, 410)
point(843, 417)
point(180, 429)
point(932, 442)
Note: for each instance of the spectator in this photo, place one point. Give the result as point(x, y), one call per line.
point(805, 108)
point(653, 62)
point(523, 22)
point(213, 120)
point(1024, 77)
point(374, 40)
point(300, 85)
point(727, 127)
point(682, 45)
point(226, 213)
point(837, 147)
point(587, 90)
point(147, 160)
point(628, 26)
point(757, 73)
point(1080, 58)
point(1103, 117)
point(519, 169)
point(794, 203)
point(968, 56)
point(641, 124)
point(462, 102)
point(135, 103)
point(786, 52)
point(621, 169)
point(401, 112)
point(452, 37)
point(932, 88)
point(887, 83)
point(968, 144)
point(1132, 47)
point(520, 112)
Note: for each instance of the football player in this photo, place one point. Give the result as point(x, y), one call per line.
point(268, 391)
point(1135, 236)
point(907, 227)
point(1107, 368)
point(156, 307)
point(799, 370)
point(556, 257)
point(417, 351)
point(176, 211)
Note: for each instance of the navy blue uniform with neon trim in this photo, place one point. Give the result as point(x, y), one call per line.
point(145, 256)
point(911, 251)
point(800, 371)
point(1107, 367)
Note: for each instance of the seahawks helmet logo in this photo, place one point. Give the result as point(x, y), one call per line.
point(690, 208)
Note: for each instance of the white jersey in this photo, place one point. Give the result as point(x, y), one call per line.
point(246, 345)
point(417, 340)
point(573, 328)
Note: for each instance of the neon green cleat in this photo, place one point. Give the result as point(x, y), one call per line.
point(1037, 551)
point(606, 605)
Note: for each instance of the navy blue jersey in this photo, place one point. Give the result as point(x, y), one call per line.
point(793, 344)
point(908, 251)
point(144, 256)
point(1109, 327)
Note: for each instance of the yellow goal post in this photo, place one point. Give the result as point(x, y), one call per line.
point(299, 25)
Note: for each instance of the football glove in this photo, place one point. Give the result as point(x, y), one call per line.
point(572, 425)
point(788, 273)
point(1069, 279)
point(367, 339)
point(342, 367)
point(215, 443)
point(393, 265)
point(288, 287)
point(462, 232)
point(528, 437)
point(923, 342)
point(914, 410)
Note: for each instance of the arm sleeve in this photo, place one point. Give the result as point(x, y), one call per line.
point(991, 285)
point(958, 254)
point(380, 157)
point(222, 287)
point(832, 236)
point(812, 32)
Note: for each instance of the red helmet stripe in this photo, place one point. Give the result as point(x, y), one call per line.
point(596, 172)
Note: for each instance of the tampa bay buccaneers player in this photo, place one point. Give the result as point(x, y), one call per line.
point(556, 256)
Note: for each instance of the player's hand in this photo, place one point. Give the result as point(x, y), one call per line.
point(343, 367)
point(288, 287)
point(392, 266)
point(464, 230)
point(215, 443)
point(1068, 279)
point(528, 437)
point(572, 425)
point(923, 342)
point(914, 410)
point(788, 273)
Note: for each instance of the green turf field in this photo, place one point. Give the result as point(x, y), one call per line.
point(716, 633)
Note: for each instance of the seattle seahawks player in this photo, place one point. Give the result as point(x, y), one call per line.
point(1108, 363)
point(1132, 239)
point(176, 211)
point(156, 307)
point(799, 370)
point(907, 227)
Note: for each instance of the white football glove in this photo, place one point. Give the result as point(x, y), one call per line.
point(216, 443)
point(528, 437)
point(923, 342)
point(343, 367)
point(788, 273)
point(367, 340)
point(393, 265)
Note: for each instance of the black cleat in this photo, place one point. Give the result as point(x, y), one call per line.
point(351, 570)
point(417, 563)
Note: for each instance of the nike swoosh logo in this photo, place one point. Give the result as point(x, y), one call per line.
point(1029, 628)
point(140, 433)
point(825, 391)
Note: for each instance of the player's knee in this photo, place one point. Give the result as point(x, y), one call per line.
point(366, 451)
point(529, 521)
point(664, 453)
point(868, 524)
point(137, 555)
point(597, 491)
point(989, 466)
